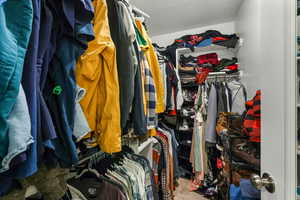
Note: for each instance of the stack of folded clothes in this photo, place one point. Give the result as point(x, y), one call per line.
point(207, 62)
point(196, 69)
point(201, 40)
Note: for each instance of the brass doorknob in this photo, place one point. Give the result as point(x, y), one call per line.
point(266, 181)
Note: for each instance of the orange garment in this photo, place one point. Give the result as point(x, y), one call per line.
point(152, 132)
point(155, 69)
point(97, 72)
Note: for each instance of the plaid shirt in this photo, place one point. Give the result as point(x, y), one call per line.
point(150, 94)
point(144, 162)
point(165, 189)
point(156, 160)
point(252, 123)
point(170, 165)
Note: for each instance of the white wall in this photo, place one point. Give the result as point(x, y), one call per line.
point(167, 39)
point(248, 26)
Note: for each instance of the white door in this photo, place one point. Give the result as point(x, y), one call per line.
point(269, 61)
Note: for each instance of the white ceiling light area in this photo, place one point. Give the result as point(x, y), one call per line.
point(169, 16)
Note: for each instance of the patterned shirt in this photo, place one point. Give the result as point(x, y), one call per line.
point(150, 94)
point(165, 190)
point(156, 160)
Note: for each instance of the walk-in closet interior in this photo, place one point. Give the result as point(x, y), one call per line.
point(142, 99)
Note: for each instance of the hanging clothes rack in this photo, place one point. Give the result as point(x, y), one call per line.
point(140, 12)
point(137, 10)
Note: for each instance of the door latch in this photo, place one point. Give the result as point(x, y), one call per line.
point(266, 181)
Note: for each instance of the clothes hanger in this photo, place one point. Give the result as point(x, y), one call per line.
point(94, 161)
point(89, 171)
point(105, 164)
point(142, 19)
point(127, 149)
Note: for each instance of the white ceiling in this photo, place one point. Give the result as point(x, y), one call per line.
point(168, 16)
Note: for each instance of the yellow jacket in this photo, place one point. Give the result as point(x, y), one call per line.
point(155, 69)
point(97, 72)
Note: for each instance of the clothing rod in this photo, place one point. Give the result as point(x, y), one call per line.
point(226, 76)
point(218, 74)
point(139, 11)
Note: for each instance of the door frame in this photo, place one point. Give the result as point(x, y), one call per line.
point(291, 100)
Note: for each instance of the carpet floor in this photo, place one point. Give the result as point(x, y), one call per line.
point(183, 193)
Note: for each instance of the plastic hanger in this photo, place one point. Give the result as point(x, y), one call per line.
point(142, 19)
point(88, 170)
